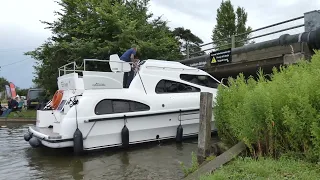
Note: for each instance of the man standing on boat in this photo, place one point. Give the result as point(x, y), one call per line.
point(128, 56)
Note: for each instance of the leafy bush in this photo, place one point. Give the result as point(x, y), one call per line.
point(273, 116)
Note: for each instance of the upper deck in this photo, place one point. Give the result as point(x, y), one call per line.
point(69, 78)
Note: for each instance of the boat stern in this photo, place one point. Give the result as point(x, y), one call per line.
point(38, 136)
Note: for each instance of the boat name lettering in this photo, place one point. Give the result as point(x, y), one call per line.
point(98, 84)
point(64, 84)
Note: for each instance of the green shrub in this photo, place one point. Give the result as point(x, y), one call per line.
point(273, 116)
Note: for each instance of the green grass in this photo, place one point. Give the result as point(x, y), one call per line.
point(266, 168)
point(25, 113)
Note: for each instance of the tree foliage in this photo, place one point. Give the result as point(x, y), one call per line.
point(3, 82)
point(230, 22)
point(97, 29)
point(187, 38)
point(21, 92)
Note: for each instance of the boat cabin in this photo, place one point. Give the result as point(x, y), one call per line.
point(154, 76)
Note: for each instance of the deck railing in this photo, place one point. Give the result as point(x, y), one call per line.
point(66, 68)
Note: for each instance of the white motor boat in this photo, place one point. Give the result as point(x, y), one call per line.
point(94, 111)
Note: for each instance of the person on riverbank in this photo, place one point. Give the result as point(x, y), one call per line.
point(2, 109)
point(128, 56)
point(12, 106)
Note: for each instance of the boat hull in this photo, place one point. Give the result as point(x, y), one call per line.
point(104, 133)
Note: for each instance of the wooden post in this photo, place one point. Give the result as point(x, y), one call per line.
point(204, 136)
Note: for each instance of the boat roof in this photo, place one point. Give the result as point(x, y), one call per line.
point(166, 63)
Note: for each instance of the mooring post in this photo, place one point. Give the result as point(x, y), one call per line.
point(204, 136)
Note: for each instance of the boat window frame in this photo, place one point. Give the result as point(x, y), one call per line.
point(131, 109)
point(157, 92)
point(200, 84)
point(61, 105)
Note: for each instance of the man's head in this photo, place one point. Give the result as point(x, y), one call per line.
point(135, 47)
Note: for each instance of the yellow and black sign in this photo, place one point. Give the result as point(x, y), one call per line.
point(213, 60)
point(221, 56)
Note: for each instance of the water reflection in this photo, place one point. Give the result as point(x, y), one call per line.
point(150, 161)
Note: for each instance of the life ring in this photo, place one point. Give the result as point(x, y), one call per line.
point(56, 99)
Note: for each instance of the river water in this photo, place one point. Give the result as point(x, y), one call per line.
point(18, 160)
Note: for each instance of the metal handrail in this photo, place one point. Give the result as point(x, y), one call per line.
point(64, 67)
point(101, 60)
point(255, 30)
point(272, 25)
point(274, 32)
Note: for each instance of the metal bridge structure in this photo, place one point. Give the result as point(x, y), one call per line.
point(229, 60)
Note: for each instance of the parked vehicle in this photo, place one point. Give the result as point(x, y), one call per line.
point(34, 97)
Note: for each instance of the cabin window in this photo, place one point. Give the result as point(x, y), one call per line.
point(104, 107)
point(136, 106)
point(202, 80)
point(111, 106)
point(167, 86)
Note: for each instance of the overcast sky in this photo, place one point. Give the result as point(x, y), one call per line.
point(21, 31)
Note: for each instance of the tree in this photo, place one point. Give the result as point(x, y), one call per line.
point(21, 92)
point(230, 23)
point(187, 38)
point(3, 82)
point(97, 29)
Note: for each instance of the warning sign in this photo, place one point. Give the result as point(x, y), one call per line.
point(213, 60)
point(221, 56)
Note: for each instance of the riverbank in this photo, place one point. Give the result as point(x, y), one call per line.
point(266, 168)
point(273, 118)
point(17, 120)
point(26, 116)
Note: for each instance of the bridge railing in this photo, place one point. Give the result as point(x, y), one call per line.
point(234, 39)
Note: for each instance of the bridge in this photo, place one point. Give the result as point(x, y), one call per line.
point(247, 59)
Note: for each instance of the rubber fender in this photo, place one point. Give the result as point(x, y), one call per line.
point(77, 142)
point(34, 142)
point(27, 136)
point(179, 134)
point(125, 136)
